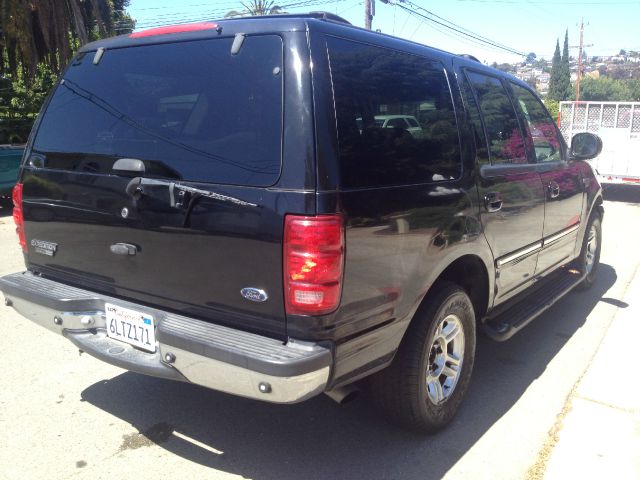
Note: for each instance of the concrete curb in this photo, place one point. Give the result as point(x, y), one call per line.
point(600, 435)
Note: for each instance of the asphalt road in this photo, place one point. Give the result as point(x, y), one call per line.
point(68, 416)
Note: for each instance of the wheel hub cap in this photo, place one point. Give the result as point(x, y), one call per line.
point(445, 359)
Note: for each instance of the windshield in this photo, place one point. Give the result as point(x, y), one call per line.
point(188, 110)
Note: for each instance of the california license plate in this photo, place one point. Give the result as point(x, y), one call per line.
point(135, 328)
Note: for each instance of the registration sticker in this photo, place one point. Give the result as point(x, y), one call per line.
point(130, 326)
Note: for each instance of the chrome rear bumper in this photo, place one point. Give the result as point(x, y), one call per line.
point(187, 349)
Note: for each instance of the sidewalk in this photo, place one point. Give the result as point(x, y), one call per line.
point(600, 435)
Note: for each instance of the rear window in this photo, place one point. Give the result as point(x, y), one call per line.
point(189, 110)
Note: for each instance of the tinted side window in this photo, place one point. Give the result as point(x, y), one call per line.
point(189, 110)
point(374, 87)
point(482, 153)
point(506, 144)
point(546, 139)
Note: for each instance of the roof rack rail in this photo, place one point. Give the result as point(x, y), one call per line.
point(470, 57)
point(329, 16)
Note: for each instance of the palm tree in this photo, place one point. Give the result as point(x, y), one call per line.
point(34, 31)
point(257, 7)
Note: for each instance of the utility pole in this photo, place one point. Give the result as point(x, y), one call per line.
point(369, 12)
point(580, 48)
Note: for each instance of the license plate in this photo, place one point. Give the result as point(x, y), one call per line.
point(135, 328)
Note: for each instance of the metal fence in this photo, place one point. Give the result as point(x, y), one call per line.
point(618, 125)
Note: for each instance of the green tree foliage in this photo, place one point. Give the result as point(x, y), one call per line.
point(37, 39)
point(565, 48)
point(20, 100)
point(553, 106)
point(256, 7)
point(605, 90)
point(35, 31)
point(564, 84)
point(634, 89)
point(28, 96)
point(560, 81)
point(122, 22)
point(554, 80)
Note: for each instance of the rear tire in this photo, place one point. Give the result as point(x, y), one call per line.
point(589, 259)
point(424, 386)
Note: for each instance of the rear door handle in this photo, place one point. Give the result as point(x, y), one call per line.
point(493, 201)
point(554, 189)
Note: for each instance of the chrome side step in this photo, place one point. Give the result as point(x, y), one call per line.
point(516, 315)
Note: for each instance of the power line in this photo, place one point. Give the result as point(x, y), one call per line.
point(211, 14)
point(443, 22)
point(550, 3)
point(231, 5)
point(464, 40)
point(476, 35)
point(357, 4)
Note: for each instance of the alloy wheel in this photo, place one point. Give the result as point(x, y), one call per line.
point(445, 359)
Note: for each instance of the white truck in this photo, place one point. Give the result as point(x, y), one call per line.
point(618, 125)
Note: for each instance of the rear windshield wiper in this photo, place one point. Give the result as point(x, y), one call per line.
point(135, 188)
point(181, 196)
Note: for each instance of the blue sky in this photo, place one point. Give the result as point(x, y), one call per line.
point(521, 25)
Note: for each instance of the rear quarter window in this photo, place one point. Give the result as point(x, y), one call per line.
point(189, 110)
point(395, 117)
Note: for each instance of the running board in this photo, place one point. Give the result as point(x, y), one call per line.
point(512, 318)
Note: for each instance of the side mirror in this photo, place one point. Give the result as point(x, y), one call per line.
point(585, 146)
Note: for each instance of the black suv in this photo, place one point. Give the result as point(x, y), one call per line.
point(219, 203)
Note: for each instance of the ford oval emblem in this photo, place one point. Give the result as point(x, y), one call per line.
point(254, 294)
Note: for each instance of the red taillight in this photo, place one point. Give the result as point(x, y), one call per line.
point(313, 263)
point(187, 27)
point(18, 216)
